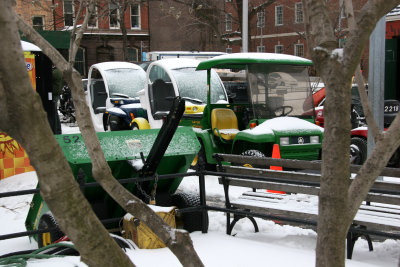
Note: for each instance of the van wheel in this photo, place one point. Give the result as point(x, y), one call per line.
point(47, 221)
point(116, 123)
point(192, 221)
point(358, 150)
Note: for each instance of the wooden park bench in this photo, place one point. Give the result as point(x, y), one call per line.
point(296, 201)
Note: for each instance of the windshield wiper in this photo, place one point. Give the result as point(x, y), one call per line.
point(193, 100)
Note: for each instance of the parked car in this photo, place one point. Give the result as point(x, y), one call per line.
point(112, 95)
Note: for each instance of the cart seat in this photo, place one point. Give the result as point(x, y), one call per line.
point(224, 123)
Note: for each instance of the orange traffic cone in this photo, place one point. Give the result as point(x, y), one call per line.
point(276, 154)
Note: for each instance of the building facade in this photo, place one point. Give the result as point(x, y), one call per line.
point(103, 39)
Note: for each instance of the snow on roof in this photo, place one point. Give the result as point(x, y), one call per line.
point(176, 63)
point(264, 56)
point(186, 53)
point(116, 65)
point(26, 46)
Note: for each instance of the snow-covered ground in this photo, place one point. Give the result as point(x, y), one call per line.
point(274, 245)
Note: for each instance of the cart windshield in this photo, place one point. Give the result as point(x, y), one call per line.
point(193, 84)
point(125, 81)
point(278, 90)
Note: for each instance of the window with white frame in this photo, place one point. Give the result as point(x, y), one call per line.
point(114, 16)
point(68, 13)
point(298, 14)
point(228, 50)
point(135, 16)
point(279, 49)
point(278, 15)
point(299, 50)
point(261, 49)
point(228, 22)
point(260, 19)
point(38, 23)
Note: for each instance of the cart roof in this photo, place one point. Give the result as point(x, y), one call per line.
point(240, 60)
point(116, 65)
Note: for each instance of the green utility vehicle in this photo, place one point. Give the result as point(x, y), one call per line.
point(274, 110)
point(144, 155)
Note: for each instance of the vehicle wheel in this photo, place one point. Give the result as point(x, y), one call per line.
point(192, 221)
point(116, 123)
point(47, 221)
point(358, 150)
point(394, 159)
point(253, 153)
point(135, 126)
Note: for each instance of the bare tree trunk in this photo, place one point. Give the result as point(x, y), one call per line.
point(339, 200)
point(24, 119)
point(178, 241)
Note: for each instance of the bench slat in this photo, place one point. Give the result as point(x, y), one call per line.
point(309, 211)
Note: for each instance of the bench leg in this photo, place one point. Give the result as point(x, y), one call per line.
point(352, 238)
point(236, 218)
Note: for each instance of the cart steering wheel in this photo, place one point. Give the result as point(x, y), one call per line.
point(283, 111)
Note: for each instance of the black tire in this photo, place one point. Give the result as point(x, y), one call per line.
point(115, 123)
point(47, 221)
point(192, 221)
point(202, 159)
point(394, 160)
point(253, 153)
point(358, 150)
point(135, 126)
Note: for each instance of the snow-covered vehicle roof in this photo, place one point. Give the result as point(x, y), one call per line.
point(234, 60)
point(115, 65)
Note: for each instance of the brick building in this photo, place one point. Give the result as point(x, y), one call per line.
point(102, 41)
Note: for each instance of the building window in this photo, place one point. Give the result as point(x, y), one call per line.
point(80, 61)
point(278, 15)
point(105, 53)
point(132, 54)
point(68, 13)
point(299, 50)
point(279, 49)
point(228, 22)
point(93, 19)
point(260, 19)
point(135, 16)
point(229, 50)
point(261, 49)
point(38, 23)
point(114, 14)
point(298, 15)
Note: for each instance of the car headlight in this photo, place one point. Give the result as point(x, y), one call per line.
point(284, 141)
point(314, 139)
point(121, 102)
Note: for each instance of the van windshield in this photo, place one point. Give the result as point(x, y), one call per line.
point(193, 84)
point(125, 81)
